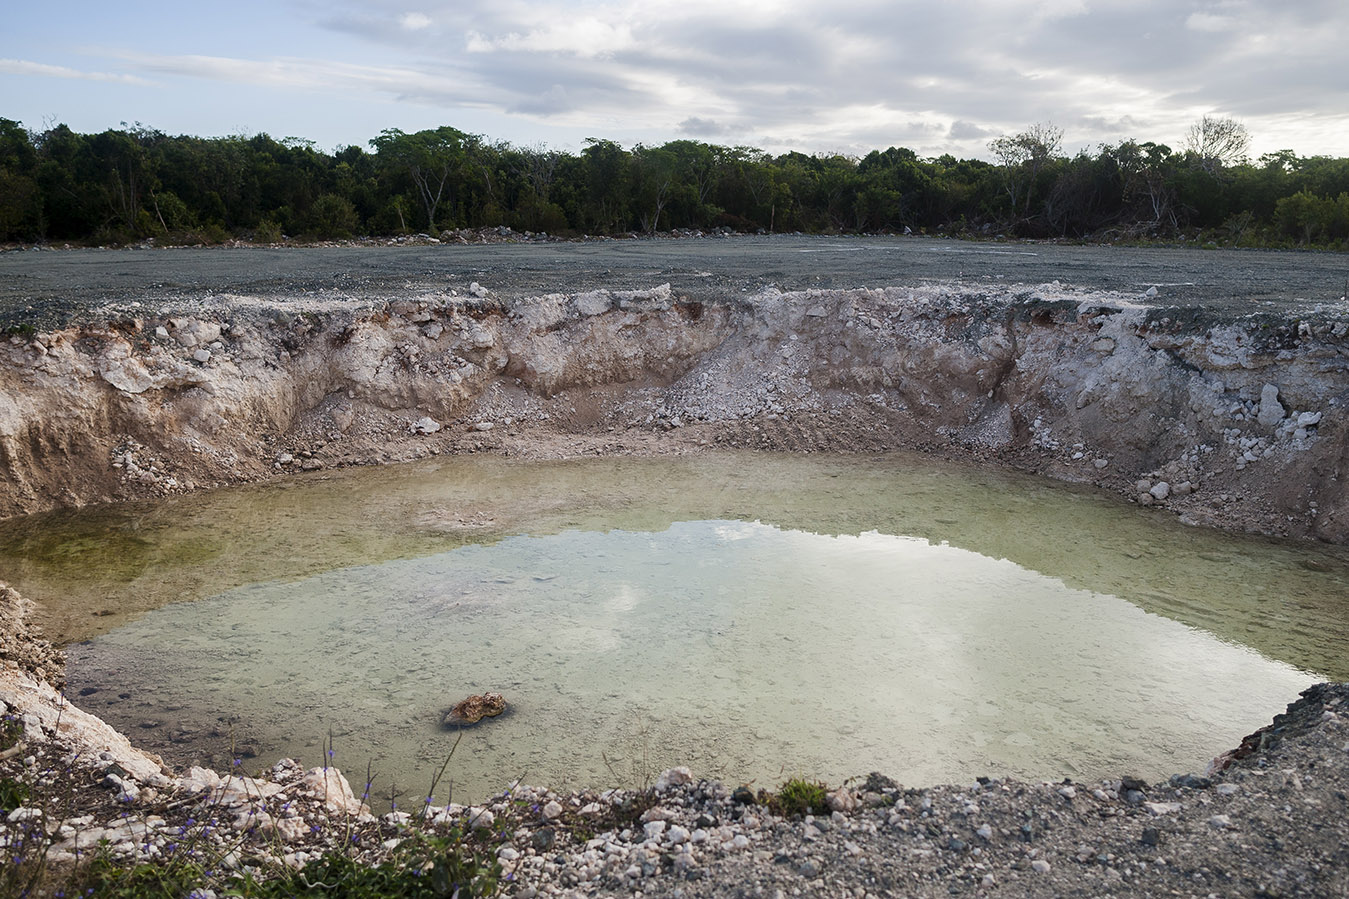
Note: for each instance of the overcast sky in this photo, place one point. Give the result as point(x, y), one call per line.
point(845, 75)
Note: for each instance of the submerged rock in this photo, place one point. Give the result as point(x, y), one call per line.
point(474, 709)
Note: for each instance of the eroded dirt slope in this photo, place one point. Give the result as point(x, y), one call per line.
point(1237, 423)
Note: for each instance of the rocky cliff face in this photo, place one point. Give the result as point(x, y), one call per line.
point(1236, 424)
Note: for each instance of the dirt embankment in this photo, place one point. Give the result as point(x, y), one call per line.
point(1237, 424)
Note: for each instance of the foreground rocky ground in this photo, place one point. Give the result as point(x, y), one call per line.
point(1270, 819)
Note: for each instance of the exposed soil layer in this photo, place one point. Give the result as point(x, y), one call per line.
point(1228, 417)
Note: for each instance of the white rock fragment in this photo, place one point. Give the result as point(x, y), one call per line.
point(427, 425)
point(1160, 491)
point(673, 777)
point(1271, 410)
point(841, 800)
point(594, 303)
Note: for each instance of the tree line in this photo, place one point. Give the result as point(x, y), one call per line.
point(128, 184)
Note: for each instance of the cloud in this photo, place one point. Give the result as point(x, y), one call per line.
point(851, 74)
point(586, 37)
point(25, 67)
point(962, 130)
point(853, 69)
point(311, 74)
point(699, 127)
point(1205, 21)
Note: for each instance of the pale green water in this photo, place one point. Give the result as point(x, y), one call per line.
point(751, 616)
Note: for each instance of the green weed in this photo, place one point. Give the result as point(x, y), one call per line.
point(798, 796)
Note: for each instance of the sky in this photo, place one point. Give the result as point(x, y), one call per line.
point(845, 76)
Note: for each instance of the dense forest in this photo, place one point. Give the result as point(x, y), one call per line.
point(135, 183)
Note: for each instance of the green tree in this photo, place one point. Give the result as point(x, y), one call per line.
point(608, 185)
point(1023, 157)
point(430, 158)
point(20, 197)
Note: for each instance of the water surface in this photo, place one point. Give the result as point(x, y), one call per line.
point(753, 616)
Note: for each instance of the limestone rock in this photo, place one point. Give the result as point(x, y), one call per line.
point(841, 800)
point(474, 709)
point(594, 303)
point(1307, 419)
point(425, 425)
point(328, 785)
point(1271, 410)
point(673, 777)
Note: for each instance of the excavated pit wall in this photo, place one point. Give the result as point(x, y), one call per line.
point(1236, 423)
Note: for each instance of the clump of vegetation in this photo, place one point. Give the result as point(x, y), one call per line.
point(422, 866)
point(13, 793)
point(11, 732)
point(798, 796)
point(398, 855)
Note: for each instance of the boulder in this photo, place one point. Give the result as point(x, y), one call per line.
point(1271, 410)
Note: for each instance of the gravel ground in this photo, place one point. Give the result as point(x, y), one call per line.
point(1270, 823)
point(49, 287)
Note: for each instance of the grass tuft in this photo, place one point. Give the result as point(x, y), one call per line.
point(798, 796)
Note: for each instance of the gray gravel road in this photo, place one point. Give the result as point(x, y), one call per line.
point(48, 287)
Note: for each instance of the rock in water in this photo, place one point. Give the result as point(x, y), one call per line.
point(474, 709)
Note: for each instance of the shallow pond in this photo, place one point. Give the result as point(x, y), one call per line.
point(752, 616)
